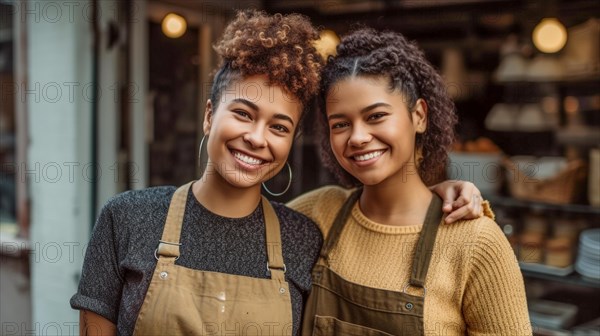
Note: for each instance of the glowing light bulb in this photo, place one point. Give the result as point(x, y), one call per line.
point(549, 35)
point(174, 25)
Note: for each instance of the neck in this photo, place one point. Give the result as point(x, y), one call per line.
point(398, 202)
point(223, 199)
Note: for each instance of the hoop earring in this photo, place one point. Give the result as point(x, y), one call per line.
point(286, 188)
point(200, 151)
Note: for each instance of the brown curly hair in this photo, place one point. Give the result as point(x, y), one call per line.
point(278, 46)
point(384, 53)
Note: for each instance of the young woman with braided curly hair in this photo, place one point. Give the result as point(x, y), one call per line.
point(387, 267)
point(213, 256)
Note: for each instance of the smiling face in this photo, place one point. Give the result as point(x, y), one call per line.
point(372, 132)
point(251, 132)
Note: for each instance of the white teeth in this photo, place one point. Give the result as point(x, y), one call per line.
point(368, 156)
point(247, 159)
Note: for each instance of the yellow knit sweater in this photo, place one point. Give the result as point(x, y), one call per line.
point(474, 284)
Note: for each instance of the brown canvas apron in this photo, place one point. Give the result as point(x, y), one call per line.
point(184, 301)
point(339, 307)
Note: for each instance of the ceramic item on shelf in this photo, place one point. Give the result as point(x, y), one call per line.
point(483, 169)
point(552, 314)
point(545, 68)
point(502, 117)
point(513, 67)
point(590, 328)
point(588, 259)
point(531, 118)
point(549, 166)
point(546, 269)
point(539, 168)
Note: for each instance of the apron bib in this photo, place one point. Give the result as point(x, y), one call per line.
point(339, 307)
point(184, 301)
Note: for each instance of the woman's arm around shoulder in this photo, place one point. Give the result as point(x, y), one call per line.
point(462, 200)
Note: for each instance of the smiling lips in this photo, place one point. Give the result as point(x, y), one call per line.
point(249, 160)
point(368, 156)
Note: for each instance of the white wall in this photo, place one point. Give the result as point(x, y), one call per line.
point(59, 172)
point(59, 168)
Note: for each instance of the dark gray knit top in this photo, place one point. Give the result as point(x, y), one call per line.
point(119, 260)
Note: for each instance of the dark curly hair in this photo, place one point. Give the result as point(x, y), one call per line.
point(278, 46)
point(384, 53)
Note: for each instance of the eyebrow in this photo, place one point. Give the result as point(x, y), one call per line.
point(253, 106)
point(365, 109)
point(284, 117)
point(246, 102)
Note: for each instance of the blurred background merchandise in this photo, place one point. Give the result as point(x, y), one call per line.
point(101, 96)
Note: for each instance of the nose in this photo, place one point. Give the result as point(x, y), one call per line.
point(359, 136)
point(256, 136)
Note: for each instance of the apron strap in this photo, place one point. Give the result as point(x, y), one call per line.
point(426, 242)
point(275, 263)
point(338, 224)
point(168, 246)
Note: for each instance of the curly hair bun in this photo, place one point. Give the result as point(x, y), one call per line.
point(279, 46)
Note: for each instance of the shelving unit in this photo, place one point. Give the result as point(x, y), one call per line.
point(574, 134)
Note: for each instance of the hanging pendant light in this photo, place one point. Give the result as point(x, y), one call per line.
point(173, 25)
point(549, 36)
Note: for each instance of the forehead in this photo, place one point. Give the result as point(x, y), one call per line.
point(258, 90)
point(356, 92)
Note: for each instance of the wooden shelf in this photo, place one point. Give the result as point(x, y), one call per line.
point(584, 79)
point(503, 201)
point(579, 136)
point(571, 279)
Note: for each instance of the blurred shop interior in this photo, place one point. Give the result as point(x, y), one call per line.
point(525, 77)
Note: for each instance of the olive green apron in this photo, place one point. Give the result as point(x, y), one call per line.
point(339, 307)
point(184, 301)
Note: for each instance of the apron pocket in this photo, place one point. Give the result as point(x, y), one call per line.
point(327, 325)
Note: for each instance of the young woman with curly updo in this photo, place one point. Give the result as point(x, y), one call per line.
point(213, 257)
point(387, 266)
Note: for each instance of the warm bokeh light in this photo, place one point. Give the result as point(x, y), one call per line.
point(327, 43)
point(174, 25)
point(549, 35)
point(571, 104)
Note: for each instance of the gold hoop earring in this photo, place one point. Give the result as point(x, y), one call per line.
point(286, 188)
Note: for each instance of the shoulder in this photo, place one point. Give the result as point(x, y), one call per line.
point(483, 238)
point(322, 204)
point(140, 198)
point(136, 208)
point(136, 202)
point(295, 220)
point(479, 230)
point(315, 202)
